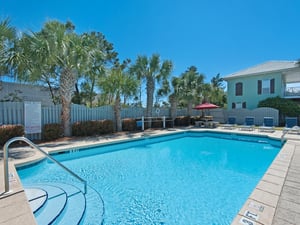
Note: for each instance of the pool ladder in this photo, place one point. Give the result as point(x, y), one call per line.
point(5, 159)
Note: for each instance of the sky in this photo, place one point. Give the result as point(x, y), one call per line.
point(216, 36)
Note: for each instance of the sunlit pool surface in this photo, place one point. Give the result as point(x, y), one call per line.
point(188, 178)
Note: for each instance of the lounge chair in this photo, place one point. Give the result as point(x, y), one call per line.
point(291, 125)
point(268, 125)
point(231, 123)
point(249, 124)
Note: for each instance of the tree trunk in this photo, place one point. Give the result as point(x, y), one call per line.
point(91, 94)
point(67, 83)
point(173, 101)
point(117, 110)
point(150, 91)
point(189, 108)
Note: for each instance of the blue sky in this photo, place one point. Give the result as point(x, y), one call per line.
point(216, 36)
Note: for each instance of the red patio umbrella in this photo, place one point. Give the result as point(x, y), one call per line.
point(206, 105)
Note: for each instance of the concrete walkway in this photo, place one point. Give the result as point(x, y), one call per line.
point(274, 201)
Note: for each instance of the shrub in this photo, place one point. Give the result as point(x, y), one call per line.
point(76, 129)
point(108, 126)
point(169, 122)
point(9, 131)
point(52, 131)
point(182, 121)
point(129, 124)
point(93, 127)
point(157, 123)
point(286, 107)
point(84, 128)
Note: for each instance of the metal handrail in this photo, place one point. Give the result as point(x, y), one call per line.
point(5, 155)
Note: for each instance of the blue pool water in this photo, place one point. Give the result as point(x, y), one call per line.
point(188, 178)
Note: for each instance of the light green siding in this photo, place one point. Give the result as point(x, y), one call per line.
point(250, 89)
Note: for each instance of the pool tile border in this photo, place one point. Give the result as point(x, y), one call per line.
point(268, 194)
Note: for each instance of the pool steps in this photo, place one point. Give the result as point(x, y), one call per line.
point(56, 203)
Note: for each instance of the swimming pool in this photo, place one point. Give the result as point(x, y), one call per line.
point(186, 178)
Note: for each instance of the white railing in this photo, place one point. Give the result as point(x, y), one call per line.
point(292, 91)
point(143, 120)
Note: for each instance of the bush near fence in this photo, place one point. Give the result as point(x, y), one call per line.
point(93, 127)
point(52, 131)
point(182, 121)
point(9, 131)
point(129, 124)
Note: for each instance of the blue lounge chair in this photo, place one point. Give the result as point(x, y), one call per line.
point(268, 125)
point(249, 124)
point(291, 125)
point(231, 123)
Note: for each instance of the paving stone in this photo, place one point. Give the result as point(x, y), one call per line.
point(291, 194)
point(279, 221)
point(292, 183)
point(291, 206)
point(287, 216)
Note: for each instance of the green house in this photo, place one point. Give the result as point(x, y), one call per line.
point(246, 88)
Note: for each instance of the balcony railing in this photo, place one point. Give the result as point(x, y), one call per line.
point(292, 91)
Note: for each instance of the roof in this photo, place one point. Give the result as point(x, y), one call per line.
point(267, 67)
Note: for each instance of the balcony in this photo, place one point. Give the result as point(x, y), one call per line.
point(292, 91)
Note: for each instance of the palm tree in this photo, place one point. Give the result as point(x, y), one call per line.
point(55, 54)
point(217, 94)
point(174, 97)
point(33, 62)
point(7, 37)
point(85, 90)
point(118, 83)
point(190, 87)
point(154, 72)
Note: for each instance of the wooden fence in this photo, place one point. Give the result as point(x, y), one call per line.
point(13, 113)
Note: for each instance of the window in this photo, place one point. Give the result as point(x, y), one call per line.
point(239, 89)
point(266, 86)
point(238, 105)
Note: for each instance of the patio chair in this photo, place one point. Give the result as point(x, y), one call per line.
point(249, 124)
point(231, 123)
point(291, 125)
point(268, 125)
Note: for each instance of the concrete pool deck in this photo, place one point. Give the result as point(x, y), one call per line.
point(274, 201)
